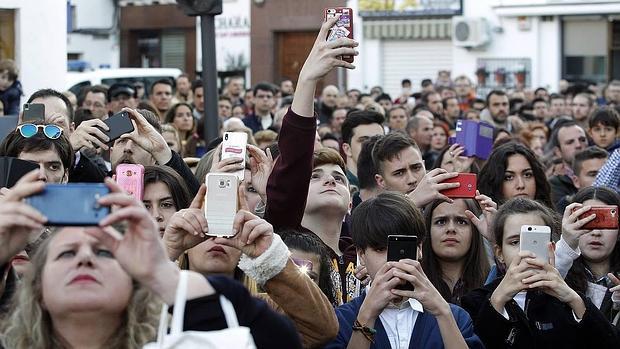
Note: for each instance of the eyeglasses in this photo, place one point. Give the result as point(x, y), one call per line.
point(50, 131)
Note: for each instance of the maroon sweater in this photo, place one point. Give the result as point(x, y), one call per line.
point(287, 191)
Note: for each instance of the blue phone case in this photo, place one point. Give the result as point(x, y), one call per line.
point(72, 204)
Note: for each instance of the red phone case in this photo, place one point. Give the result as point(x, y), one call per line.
point(467, 188)
point(131, 178)
point(606, 217)
point(342, 28)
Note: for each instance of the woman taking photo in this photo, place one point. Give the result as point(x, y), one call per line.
point(95, 287)
point(595, 272)
point(531, 306)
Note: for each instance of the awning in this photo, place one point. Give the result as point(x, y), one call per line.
point(408, 29)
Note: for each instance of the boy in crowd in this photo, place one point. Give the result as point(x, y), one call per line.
point(387, 316)
point(357, 128)
point(307, 191)
point(10, 87)
point(586, 165)
point(399, 167)
point(603, 128)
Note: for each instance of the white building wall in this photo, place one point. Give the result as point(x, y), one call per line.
point(540, 43)
point(40, 42)
point(98, 51)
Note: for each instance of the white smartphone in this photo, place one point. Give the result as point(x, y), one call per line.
point(222, 204)
point(535, 238)
point(234, 145)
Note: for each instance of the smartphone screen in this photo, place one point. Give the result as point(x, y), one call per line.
point(119, 124)
point(131, 178)
point(234, 144)
point(34, 112)
point(535, 238)
point(342, 28)
point(221, 203)
point(402, 247)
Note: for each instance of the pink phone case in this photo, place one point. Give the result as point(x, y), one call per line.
point(131, 178)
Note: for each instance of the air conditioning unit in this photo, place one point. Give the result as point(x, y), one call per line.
point(470, 31)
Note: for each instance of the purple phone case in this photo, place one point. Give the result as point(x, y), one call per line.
point(476, 137)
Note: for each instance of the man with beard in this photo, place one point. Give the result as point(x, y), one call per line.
point(496, 112)
point(146, 146)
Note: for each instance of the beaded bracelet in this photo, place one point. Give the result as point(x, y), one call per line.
point(368, 332)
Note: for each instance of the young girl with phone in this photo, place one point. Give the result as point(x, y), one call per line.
point(595, 273)
point(531, 306)
point(454, 256)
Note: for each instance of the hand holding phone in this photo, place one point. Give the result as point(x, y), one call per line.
point(130, 177)
point(118, 124)
point(402, 247)
point(467, 188)
point(234, 144)
point(342, 28)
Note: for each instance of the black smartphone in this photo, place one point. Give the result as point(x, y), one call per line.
point(402, 247)
point(119, 124)
point(12, 169)
point(34, 112)
point(72, 204)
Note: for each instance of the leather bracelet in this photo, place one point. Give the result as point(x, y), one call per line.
point(367, 332)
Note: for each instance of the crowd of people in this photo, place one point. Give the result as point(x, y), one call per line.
point(327, 180)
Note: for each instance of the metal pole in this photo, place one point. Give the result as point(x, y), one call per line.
point(209, 77)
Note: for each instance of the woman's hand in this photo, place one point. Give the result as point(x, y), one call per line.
point(462, 164)
point(232, 164)
point(253, 235)
point(139, 250)
point(484, 224)
point(572, 225)
point(261, 164)
point(18, 220)
point(187, 228)
point(513, 281)
point(551, 282)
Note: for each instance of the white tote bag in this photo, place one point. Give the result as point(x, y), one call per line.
point(234, 336)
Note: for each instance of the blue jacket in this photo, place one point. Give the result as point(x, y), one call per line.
point(11, 98)
point(425, 335)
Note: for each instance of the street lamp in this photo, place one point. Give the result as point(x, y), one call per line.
point(207, 10)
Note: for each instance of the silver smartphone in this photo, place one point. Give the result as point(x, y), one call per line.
point(221, 203)
point(535, 238)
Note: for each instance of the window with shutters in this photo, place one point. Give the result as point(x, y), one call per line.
point(173, 49)
point(7, 34)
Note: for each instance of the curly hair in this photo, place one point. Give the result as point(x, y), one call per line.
point(29, 325)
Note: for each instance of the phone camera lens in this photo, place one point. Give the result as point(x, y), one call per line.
point(222, 183)
point(226, 137)
point(529, 228)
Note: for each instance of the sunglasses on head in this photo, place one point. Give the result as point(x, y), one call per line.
point(50, 131)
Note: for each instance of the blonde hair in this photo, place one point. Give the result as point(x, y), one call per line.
point(28, 325)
